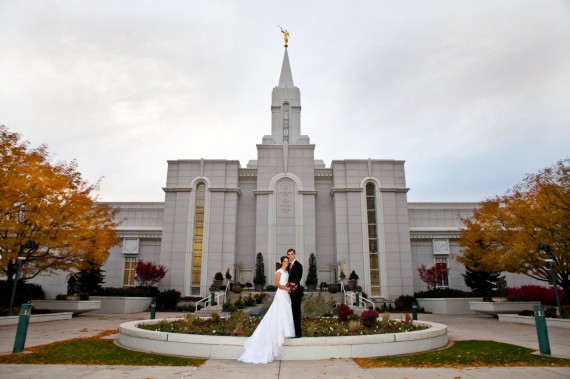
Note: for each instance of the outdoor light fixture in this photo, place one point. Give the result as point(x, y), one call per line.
point(550, 263)
point(30, 244)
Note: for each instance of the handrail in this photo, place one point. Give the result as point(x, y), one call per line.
point(205, 300)
point(352, 297)
point(218, 295)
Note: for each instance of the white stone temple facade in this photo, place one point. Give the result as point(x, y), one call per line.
point(352, 215)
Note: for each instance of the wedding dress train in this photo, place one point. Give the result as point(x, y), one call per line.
point(267, 340)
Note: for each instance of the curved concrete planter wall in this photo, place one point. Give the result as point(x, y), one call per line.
point(311, 348)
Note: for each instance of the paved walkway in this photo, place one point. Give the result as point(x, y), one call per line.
point(460, 328)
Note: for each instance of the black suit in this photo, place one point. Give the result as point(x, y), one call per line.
point(295, 275)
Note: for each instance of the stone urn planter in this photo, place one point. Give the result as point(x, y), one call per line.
point(502, 307)
point(75, 306)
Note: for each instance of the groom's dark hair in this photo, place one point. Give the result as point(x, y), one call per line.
point(293, 250)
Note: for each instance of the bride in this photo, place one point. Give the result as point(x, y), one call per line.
point(266, 341)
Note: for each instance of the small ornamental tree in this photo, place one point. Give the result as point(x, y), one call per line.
point(50, 219)
point(149, 273)
point(353, 275)
point(90, 278)
point(482, 283)
point(312, 278)
point(259, 277)
point(433, 275)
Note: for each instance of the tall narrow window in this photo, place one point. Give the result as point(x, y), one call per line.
point(373, 239)
point(286, 123)
point(198, 238)
point(442, 271)
point(129, 271)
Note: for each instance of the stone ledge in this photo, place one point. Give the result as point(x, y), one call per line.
point(13, 320)
point(310, 348)
point(550, 322)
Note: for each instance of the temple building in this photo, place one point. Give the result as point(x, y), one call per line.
point(353, 215)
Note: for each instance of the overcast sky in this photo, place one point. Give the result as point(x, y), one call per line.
point(471, 94)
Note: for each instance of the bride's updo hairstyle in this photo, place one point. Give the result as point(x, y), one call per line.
point(283, 258)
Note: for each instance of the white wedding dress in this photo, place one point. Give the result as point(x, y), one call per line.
point(266, 341)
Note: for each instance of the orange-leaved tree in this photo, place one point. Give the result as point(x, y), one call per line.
point(504, 233)
point(48, 214)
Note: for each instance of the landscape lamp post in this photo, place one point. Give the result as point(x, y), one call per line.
point(28, 245)
point(550, 261)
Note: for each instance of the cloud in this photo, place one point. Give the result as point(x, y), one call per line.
point(472, 95)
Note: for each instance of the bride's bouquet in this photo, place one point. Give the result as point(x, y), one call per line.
point(291, 287)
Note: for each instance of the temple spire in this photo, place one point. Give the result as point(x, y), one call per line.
point(286, 78)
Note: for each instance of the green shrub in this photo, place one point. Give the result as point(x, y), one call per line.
point(24, 292)
point(249, 301)
point(167, 299)
point(316, 306)
point(333, 288)
point(127, 291)
point(271, 288)
point(404, 302)
point(443, 292)
point(260, 297)
point(228, 307)
point(237, 288)
point(239, 303)
point(83, 296)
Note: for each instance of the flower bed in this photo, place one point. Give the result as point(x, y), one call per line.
point(241, 324)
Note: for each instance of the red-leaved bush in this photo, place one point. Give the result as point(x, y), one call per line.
point(369, 317)
point(535, 293)
point(344, 311)
point(149, 273)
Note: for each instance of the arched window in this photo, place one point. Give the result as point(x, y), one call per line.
point(373, 239)
point(285, 122)
point(198, 238)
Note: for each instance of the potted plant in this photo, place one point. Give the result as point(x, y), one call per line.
point(342, 276)
point(352, 280)
point(259, 278)
point(312, 278)
point(218, 279)
point(228, 275)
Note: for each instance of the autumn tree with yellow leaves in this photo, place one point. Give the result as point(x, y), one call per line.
point(48, 214)
point(504, 233)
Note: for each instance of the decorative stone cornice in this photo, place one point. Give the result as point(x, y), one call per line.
point(224, 189)
point(399, 190)
point(451, 232)
point(347, 189)
point(262, 192)
point(178, 189)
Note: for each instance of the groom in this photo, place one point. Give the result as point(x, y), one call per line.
point(295, 274)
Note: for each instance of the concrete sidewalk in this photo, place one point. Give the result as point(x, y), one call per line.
point(459, 328)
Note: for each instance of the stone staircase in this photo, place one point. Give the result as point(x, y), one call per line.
point(207, 311)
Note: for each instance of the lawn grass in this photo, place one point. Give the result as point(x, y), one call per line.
point(98, 351)
point(94, 351)
point(468, 354)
